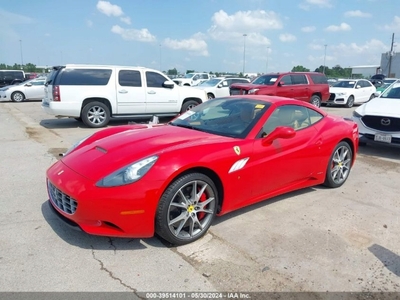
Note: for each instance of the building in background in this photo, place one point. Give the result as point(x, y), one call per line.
point(365, 71)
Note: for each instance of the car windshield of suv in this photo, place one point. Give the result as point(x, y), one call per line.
point(189, 75)
point(266, 79)
point(392, 92)
point(211, 82)
point(231, 117)
point(345, 84)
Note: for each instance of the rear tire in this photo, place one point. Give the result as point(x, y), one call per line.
point(95, 114)
point(339, 165)
point(316, 101)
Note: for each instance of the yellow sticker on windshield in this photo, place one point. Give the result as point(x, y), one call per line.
point(260, 106)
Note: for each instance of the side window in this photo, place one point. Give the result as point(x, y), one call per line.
point(129, 78)
point(299, 79)
point(155, 80)
point(314, 116)
point(41, 82)
point(319, 78)
point(227, 82)
point(287, 80)
point(84, 77)
point(297, 117)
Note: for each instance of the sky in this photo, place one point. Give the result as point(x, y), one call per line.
point(256, 36)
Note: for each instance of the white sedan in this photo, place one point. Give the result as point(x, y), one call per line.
point(378, 120)
point(28, 90)
point(219, 86)
point(349, 92)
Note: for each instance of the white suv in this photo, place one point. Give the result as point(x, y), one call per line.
point(191, 79)
point(94, 94)
point(219, 86)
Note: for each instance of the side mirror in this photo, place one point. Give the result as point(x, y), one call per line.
point(281, 83)
point(219, 86)
point(28, 84)
point(358, 87)
point(168, 84)
point(280, 132)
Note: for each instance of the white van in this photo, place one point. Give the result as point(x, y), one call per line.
point(94, 94)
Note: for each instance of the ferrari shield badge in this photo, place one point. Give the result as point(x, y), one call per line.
point(237, 150)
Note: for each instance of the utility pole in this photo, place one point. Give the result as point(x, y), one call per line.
point(390, 56)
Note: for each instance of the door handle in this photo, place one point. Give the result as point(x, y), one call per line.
point(151, 92)
point(123, 91)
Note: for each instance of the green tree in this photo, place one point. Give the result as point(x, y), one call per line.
point(172, 72)
point(300, 69)
point(190, 71)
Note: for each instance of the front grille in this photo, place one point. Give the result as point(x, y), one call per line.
point(238, 92)
point(388, 124)
point(332, 96)
point(61, 200)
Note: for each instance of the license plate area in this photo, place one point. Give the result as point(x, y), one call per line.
point(384, 138)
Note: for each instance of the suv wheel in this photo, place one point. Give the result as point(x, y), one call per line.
point(95, 114)
point(316, 101)
point(188, 105)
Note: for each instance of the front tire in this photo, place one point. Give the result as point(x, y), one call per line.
point(17, 97)
point(210, 96)
point(188, 105)
point(95, 114)
point(339, 165)
point(187, 209)
point(350, 102)
point(316, 101)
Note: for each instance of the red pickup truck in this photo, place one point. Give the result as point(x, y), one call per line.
point(312, 87)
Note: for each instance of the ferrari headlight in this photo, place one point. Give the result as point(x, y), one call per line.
point(128, 174)
point(253, 91)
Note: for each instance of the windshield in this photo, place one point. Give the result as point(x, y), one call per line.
point(345, 84)
point(231, 117)
point(266, 79)
point(188, 75)
point(211, 82)
point(392, 92)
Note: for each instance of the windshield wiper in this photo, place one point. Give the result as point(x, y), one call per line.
point(185, 126)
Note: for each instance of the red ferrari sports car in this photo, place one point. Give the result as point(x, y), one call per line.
point(173, 179)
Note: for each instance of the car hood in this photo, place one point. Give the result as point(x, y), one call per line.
point(97, 159)
point(387, 107)
point(337, 90)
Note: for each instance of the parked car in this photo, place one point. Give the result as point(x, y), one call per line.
point(191, 79)
point(219, 86)
point(351, 91)
point(28, 90)
point(311, 87)
point(94, 94)
point(11, 77)
point(378, 120)
point(377, 79)
point(174, 178)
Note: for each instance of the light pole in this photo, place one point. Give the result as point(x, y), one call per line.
point(22, 58)
point(160, 58)
point(244, 52)
point(323, 71)
point(266, 69)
